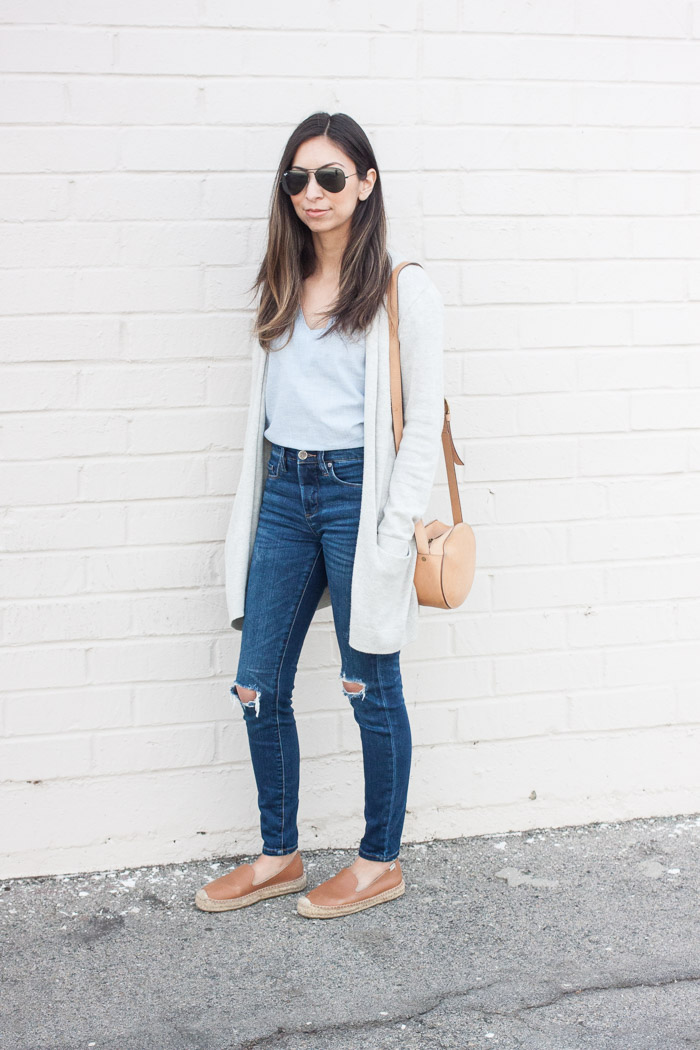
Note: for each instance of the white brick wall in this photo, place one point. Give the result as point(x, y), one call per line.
point(543, 160)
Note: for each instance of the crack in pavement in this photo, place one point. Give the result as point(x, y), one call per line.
point(354, 1026)
point(272, 1039)
point(565, 993)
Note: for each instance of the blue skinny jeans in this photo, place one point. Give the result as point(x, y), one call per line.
point(306, 537)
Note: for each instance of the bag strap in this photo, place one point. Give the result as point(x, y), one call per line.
point(448, 446)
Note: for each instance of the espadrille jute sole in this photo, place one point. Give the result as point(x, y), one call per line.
point(209, 904)
point(313, 911)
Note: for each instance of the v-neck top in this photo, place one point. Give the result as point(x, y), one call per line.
point(315, 389)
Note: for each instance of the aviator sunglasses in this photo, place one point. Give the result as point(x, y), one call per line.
point(330, 179)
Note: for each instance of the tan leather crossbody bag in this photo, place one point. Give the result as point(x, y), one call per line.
point(446, 558)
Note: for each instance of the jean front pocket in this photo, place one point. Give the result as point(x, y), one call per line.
point(346, 471)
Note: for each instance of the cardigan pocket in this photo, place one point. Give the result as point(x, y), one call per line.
point(396, 568)
point(382, 600)
point(395, 547)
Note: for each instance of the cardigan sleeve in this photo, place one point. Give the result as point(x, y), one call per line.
point(421, 338)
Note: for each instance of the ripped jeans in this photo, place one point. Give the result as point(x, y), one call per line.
point(306, 536)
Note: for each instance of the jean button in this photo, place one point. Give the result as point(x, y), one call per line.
point(303, 454)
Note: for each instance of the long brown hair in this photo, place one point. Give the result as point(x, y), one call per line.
point(290, 257)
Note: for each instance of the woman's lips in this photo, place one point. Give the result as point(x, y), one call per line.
point(314, 211)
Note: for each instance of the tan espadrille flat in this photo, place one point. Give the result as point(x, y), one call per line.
point(237, 889)
point(340, 896)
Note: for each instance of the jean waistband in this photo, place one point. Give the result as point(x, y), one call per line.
point(318, 455)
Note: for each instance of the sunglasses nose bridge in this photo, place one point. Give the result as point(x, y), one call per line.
point(313, 182)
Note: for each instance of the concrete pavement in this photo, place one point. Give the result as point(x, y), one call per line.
point(568, 939)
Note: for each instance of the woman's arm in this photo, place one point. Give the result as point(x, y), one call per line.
point(421, 338)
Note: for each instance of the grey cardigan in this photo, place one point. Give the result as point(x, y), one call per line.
point(396, 487)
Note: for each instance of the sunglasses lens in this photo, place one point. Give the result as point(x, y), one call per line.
point(331, 179)
point(294, 182)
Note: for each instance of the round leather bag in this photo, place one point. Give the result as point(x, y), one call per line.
point(445, 572)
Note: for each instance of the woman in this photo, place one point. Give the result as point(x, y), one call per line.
point(325, 507)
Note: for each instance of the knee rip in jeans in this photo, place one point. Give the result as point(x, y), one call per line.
point(247, 704)
point(357, 693)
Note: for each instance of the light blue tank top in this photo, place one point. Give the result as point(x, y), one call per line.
point(315, 389)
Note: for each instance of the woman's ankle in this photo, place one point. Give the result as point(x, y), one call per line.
point(273, 860)
point(366, 862)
